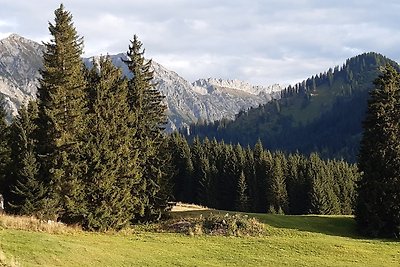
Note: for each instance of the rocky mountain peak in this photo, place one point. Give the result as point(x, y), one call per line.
point(236, 84)
point(206, 99)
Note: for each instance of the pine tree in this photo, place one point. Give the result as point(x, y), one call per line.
point(322, 196)
point(112, 164)
point(61, 118)
point(297, 184)
point(146, 104)
point(4, 151)
point(345, 177)
point(277, 196)
point(262, 165)
point(228, 176)
point(184, 183)
point(249, 172)
point(378, 205)
point(27, 191)
point(201, 173)
point(242, 198)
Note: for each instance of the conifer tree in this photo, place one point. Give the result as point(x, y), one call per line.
point(27, 191)
point(249, 172)
point(346, 176)
point(242, 198)
point(61, 118)
point(262, 165)
point(201, 173)
point(4, 150)
point(184, 183)
point(297, 185)
point(228, 178)
point(112, 164)
point(378, 205)
point(322, 196)
point(276, 189)
point(146, 104)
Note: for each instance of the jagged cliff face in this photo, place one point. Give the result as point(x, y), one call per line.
point(206, 99)
point(20, 60)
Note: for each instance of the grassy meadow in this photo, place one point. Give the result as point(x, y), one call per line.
point(289, 241)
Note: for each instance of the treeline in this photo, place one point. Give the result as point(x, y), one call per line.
point(230, 177)
point(91, 149)
point(350, 74)
point(322, 114)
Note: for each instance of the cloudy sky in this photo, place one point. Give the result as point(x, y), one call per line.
point(260, 41)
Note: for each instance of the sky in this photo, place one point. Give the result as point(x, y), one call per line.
point(259, 41)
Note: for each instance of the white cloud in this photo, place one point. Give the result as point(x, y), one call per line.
point(261, 41)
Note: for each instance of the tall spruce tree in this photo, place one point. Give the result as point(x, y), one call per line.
point(378, 203)
point(184, 183)
point(61, 118)
point(242, 198)
point(202, 174)
point(27, 191)
point(4, 150)
point(146, 104)
point(262, 165)
point(297, 185)
point(112, 162)
point(322, 196)
point(277, 196)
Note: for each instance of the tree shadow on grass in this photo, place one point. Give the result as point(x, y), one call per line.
point(343, 226)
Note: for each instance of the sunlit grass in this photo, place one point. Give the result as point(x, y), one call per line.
point(289, 241)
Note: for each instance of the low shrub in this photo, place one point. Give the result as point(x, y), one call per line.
point(216, 224)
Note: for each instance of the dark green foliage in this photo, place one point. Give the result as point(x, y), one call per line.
point(145, 103)
point(184, 178)
point(27, 191)
point(323, 199)
point(346, 177)
point(96, 153)
point(262, 168)
point(4, 151)
point(230, 178)
point(242, 199)
point(297, 184)
point(203, 175)
point(322, 114)
point(112, 165)
point(378, 205)
point(61, 101)
point(276, 189)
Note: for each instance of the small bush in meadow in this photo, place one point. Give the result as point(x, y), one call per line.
point(216, 224)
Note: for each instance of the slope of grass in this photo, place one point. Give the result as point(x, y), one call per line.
point(290, 241)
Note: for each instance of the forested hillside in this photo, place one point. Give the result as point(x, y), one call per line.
point(321, 114)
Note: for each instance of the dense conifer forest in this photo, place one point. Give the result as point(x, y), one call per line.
point(230, 177)
point(92, 150)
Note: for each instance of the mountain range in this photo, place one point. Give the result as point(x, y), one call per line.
point(323, 114)
point(203, 100)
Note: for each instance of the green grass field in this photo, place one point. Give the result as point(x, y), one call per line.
point(290, 241)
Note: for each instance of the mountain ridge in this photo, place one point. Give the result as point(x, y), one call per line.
point(323, 114)
point(20, 60)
